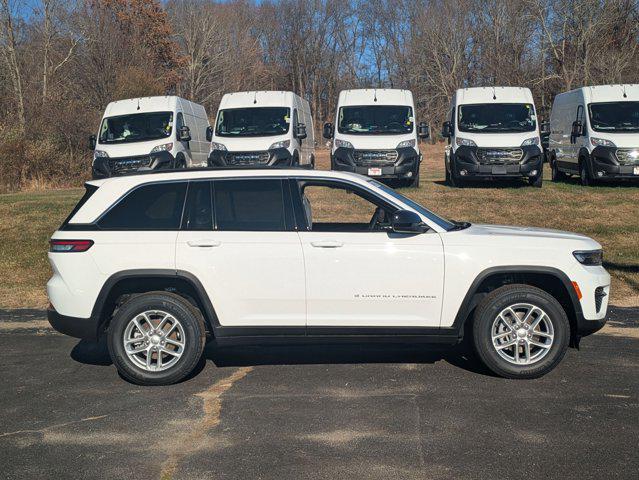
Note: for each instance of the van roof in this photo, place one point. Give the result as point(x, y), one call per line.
point(375, 96)
point(609, 93)
point(145, 104)
point(263, 98)
point(493, 94)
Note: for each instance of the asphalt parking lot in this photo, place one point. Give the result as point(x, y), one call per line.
point(326, 412)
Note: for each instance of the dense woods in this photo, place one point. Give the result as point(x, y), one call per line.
point(62, 61)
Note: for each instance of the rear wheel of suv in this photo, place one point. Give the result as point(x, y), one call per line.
point(156, 338)
point(520, 332)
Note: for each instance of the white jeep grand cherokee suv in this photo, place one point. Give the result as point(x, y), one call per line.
point(160, 262)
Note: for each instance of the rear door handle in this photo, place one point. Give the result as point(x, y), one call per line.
point(327, 244)
point(203, 243)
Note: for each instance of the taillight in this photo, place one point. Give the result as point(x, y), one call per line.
point(69, 245)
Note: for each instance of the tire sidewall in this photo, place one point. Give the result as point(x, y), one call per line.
point(486, 314)
point(193, 331)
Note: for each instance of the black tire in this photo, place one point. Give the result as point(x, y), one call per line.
point(489, 309)
point(448, 180)
point(584, 175)
point(538, 180)
point(312, 162)
point(295, 161)
point(180, 162)
point(192, 324)
point(414, 182)
point(556, 174)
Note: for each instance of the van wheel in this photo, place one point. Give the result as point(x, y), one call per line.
point(312, 162)
point(295, 161)
point(180, 162)
point(520, 332)
point(414, 182)
point(557, 175)
point(156, 338)
point(584, 176)
point(538, 179)
point(448, 180)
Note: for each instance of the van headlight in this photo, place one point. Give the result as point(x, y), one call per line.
point(530, 141)
point(589, 257)
point(601, 142)
point(100, 154)
point(464, 142)
point(281, 144)
point(166, 147)
point(218, 146)
point(406, 144)
point(343, 144)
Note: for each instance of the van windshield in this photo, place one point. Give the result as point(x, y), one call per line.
point(253, 122)
point(375, 120)
point(136, 127)
point(614, 116)
point(497, 117)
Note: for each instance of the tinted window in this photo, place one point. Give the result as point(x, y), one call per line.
point(249, 205)
point(252, 122)
point(197, 214)
point(150, 207)
point(137, 127)
point(614, 116)
point(380, 119)
point(497, 117)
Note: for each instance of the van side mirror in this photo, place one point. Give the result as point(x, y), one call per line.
point(544, 128)
point(184, 134)
point(300, 131)
point(407, 221)
point(328, 131)
point(423, 130)
point(577, 129)
point(92, 142)
point(209, 134)
point(447, 130)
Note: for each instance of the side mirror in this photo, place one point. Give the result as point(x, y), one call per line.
point(184, 134)
point(300, 131)
point(407, 221)
point(209, 134)
point(447, 130)
point(328, 131)
point(576, 128)
point(544, 128)
point(92, 142)
point(423, 130)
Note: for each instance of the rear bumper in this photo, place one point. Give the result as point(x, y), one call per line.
point(405, 166)
point(279, 157)
point(104, 167)
point(85, 328)
point(464, 163)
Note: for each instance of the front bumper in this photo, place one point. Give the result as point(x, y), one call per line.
point(465, 162)
point(85, 328)
point(609, 162)
point(279, 157)
point(114, 166)
point(403, 166)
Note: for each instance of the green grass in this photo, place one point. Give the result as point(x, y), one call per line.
point(609, 214)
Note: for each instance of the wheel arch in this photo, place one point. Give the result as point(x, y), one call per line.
point(131, 282)
point(551, 280)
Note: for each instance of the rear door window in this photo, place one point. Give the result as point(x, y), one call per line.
point(198, 214)
point(148, 207)
point(249, 205)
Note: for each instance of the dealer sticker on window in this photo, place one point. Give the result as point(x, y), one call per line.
point(378, 171)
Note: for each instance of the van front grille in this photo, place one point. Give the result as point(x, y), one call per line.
point(375, 158)
point(128, 164)
point(628, 156)
point(499, 156)
point(247, 158)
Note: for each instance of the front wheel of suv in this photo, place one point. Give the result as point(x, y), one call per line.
point(156, 338)
point(520, 332)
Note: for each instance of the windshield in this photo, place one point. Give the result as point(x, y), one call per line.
point(136, 127)
point(614, 116)
point(376, 120)
point(497, 117)
point(253, 122)
point(442, 222)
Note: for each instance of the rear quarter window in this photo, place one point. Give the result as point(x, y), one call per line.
point(89, 191)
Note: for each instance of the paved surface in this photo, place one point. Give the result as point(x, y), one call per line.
point(317, 412)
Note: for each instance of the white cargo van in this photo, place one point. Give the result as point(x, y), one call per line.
point(594, 133)
point(492, 133)
point(266, 128)
point(149, 133)
point(375, 134)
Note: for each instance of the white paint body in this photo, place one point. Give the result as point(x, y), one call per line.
point(299, 108)
point(194, 116)
point(283, 279)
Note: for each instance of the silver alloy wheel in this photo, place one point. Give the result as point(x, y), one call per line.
point(522, 334)
point(154, 340)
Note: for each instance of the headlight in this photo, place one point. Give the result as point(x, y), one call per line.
point(343, 143)
point(530, 141)
point(589, 257)
point(601, 142)
point(282, 144)
point(100, 154)
point(218, 146)
point(167, 147)
point(406, 144)
point(464, 142)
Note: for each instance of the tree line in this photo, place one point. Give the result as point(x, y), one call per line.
point(62, 61)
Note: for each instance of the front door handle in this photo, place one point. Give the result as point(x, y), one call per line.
point(203, 243)
point(327, 244)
